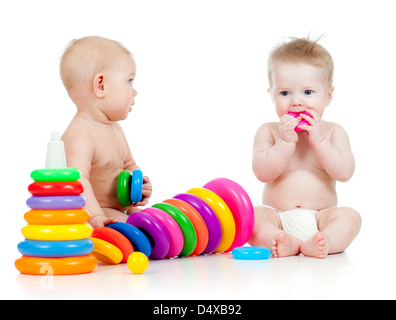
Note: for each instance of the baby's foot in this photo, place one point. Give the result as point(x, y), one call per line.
point(317, 247)
point(285, 245)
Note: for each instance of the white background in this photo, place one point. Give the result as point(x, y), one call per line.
point(201, 82)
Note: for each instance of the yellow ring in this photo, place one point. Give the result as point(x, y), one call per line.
point(223, 213)
point(57, 232)
point(106, 252)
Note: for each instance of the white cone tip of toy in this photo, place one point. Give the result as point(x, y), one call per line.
point(56, 158)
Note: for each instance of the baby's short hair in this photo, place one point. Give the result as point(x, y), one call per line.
point(302, 50)
point(84, 57)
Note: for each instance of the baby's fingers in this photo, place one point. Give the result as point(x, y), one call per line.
point(305, 127)
point(291, 122)
point(313, 116)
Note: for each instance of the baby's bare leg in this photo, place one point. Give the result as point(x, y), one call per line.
point(337, 228)
point(267, 232)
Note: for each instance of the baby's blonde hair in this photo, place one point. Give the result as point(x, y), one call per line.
point(302, 50)
point(85, 57)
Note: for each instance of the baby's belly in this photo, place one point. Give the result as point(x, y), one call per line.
point(105, 191)
point(300, 188)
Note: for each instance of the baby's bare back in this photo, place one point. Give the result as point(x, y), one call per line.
point(304, 183)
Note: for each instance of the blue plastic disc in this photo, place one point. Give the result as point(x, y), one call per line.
point(56, 249)
point(136, 186)
point(138, 239)
point(251, 253)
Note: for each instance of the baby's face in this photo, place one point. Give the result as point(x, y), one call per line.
point(120, 93)
point(297, 86)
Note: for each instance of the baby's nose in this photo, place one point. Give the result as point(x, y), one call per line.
point(297, 102)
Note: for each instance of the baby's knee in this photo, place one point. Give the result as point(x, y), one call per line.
point(353, 217)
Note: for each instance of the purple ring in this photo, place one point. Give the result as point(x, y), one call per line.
point(56, 202)
point(210, 218)
point(150, 225)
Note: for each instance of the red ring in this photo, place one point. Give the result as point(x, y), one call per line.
point(116, 238)
point(58, 188)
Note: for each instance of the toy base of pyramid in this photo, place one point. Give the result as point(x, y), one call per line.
point(56, 266)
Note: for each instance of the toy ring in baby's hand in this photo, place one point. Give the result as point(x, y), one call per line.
point(136, 186)
point(123, 187)
point(303, 122)
point(129, 187)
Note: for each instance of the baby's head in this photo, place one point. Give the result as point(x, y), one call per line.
point(300, 75)
point(95, 68)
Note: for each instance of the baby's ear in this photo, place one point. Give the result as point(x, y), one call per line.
point(98, 85)
point(330, 96)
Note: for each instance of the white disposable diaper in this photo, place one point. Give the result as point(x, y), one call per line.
point(300, 223)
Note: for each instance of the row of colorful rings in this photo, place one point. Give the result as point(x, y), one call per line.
point(192, 223)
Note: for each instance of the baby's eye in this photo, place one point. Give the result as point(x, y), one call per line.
point(308, 92)
point(130, 81)
point(285, 93)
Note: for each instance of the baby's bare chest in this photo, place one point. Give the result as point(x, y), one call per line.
point(304, 157)
point(110, 151)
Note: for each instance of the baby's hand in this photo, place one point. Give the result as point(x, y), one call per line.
point(314, 129)
point(101, 221)
point(286, 128)
point(147, 190)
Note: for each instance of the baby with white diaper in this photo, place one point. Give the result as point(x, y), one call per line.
point(301, 157)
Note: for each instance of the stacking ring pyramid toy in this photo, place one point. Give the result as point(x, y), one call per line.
point(57, 235)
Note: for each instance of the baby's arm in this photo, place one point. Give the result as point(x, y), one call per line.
point(270, 157)
point(79, 153)
point(130, 164)
point(335, 155)
point(334, 152)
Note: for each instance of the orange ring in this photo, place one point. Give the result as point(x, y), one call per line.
point(48, 217)
point(198, 222)
point(56, 266)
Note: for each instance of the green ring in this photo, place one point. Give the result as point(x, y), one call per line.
point(123, 188)
point(186, 226)
point(54, 175)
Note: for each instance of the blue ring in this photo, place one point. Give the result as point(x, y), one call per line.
point(56, 249)
point(138, 239)
point(251, 253)
point(136, 186)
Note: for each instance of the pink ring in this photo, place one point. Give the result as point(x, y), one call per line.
point(172, 228)
point(240, 205)
point(303, 122)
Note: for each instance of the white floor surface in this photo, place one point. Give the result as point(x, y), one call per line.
point(350, 275)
